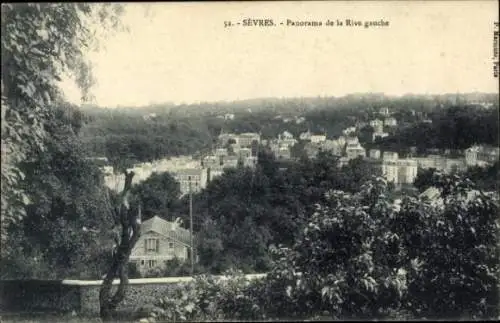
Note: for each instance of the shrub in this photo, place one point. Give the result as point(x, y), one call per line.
point(361, 255)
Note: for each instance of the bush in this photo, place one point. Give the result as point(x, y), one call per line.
point(360, 255)
point(454, 251)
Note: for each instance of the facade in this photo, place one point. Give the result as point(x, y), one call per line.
point(384, 111)
point(246, 139)
point(235, 148)
point(374, 153)
point(481, 155)
point(390, 122)
point(244, 153)
point(160, 241)
point(286, 135)
point(348, 131)
point(214, 173)
point(377, 125)
point(352, 140)
point(287, 142)
point(317, 138)
point(230, 162)
point(335, 147)
point(380, 135)
point(389, 155)
point(250, 161)
point(305, 135)
point(225, 137)
point(407, 171)
point(390, 170)
point(354, 151)
point(454, 165)
point(211, 161)
point(432, 161)
point(342, 141)
point(194, 179)
point(221, 152)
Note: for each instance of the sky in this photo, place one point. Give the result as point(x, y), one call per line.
point(182, 53)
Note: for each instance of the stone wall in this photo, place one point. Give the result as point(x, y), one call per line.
point(82, 296)
point(38, 296)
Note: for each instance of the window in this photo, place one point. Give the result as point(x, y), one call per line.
point(142, 262)
point(171, 245)
point(152, 245)
point(151, 263)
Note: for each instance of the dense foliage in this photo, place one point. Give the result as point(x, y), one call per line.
point(360, 255)
point(67, 227)
point(457, 127)
point(245, 210)
point(41, 43)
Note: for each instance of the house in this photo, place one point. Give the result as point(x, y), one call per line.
point(246, 139)
point(160, 241)
point(191, 179)
point(377, 125)
point(305, 135)
point(300, 120)
point(225, 138)
point(221, 152)
point(317, 138)
point(380, 135)
point(374, 153)
point(230, 162)
point(286, 135)
point(481, 155)
point(287, 142)
point(433, 196)
point(284, 153)
point(384, 111)
point(389, 155)
point(390, 122)
point(244, 153)
point(355, 150)
point(352, 140)
point(390, 170)
point(334, 146)
point(407, 171)
point(349, 131)
point(211, 161)
point(250, 161)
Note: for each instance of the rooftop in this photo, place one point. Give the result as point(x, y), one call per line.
point(166, 228)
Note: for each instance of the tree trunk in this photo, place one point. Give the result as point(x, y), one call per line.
point(130, 227)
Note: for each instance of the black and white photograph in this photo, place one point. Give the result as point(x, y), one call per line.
point(257, 161)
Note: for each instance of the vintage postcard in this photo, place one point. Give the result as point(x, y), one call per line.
point(250, 161)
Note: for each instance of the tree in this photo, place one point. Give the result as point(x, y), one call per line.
point(425, 178)
point(40, 44)
point(129, 219)
point(67, 224)
point(158, 194)
point(454, 249)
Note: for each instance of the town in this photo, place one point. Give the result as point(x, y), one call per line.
point(234, 149)
point(159, 166)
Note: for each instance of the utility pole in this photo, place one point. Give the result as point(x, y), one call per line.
point(191, 226)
